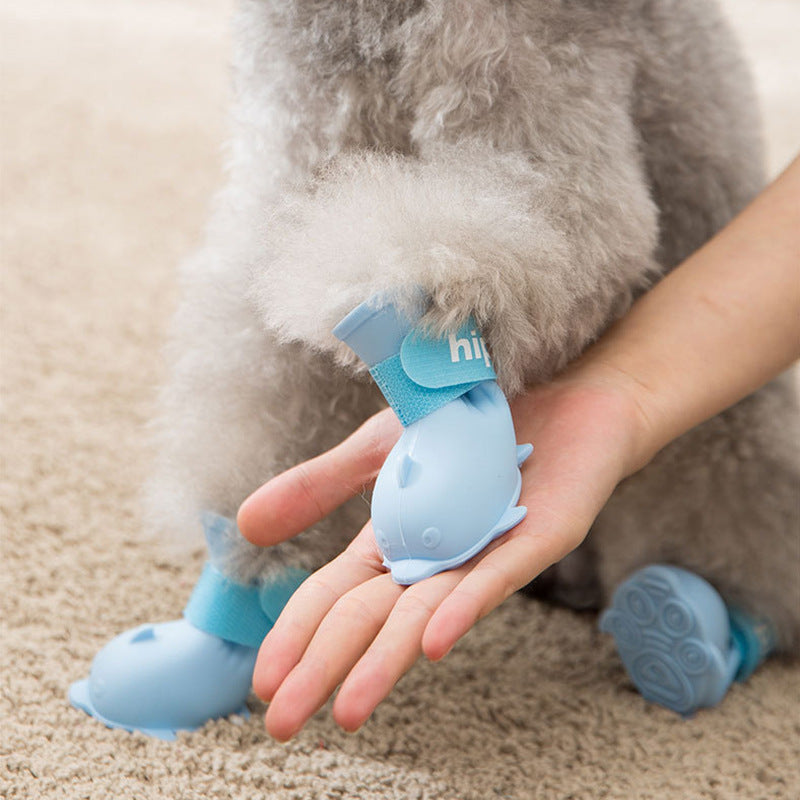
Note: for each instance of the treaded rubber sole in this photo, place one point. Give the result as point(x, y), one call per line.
point(663, 643)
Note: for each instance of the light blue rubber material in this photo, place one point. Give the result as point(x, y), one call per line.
point(375, 330)
point(673, 633)
point(177, 675)
point(159, 679)
point(451, 483)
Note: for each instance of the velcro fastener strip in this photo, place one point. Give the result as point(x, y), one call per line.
point(275, 593)
point(755, 637)
point(237, 612)
point(409, 400)
point(452, 360)
point(429, 372)
point(227, 609)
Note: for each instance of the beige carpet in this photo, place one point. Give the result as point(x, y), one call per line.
point(112, 117)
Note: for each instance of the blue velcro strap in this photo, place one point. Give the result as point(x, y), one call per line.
point(754, 637)
point(428, 372)
point(275, 594)
point(233, 611)
point(458, 358)
point(409, 400)
point(227, 609)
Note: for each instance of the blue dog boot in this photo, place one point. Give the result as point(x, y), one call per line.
point(159, 679)
point(681, 646)
point(451, 483)
point(177, 675)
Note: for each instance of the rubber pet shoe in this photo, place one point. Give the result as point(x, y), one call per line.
point(171, 676)
point(451, 483)
point(681, 646)
point(159, 679)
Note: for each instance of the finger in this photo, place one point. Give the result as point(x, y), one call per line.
point(394, 650)
point(493, 578)
point(304, 494)
point(561, 513)
point(342, 637)
point(285, 644)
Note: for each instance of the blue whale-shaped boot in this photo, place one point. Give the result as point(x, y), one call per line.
point(680, 644)
point(177, 675)
point(451, 483)
point(159, 679)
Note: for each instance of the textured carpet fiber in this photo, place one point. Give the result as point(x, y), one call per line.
point(112, 116)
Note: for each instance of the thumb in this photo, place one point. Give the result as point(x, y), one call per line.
point(294, 500)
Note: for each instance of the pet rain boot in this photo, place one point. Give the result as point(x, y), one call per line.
point(680, 644)
point(176, 675)
point(451, 483)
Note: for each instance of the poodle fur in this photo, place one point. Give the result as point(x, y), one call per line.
point(536, 164)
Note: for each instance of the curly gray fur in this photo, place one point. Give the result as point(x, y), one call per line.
point(535, 164)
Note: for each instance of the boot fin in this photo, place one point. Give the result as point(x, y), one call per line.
point(513, 516)
point(523, 451)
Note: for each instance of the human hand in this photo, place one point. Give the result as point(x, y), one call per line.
point(350, 624)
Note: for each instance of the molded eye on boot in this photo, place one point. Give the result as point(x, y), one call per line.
point(451, 483)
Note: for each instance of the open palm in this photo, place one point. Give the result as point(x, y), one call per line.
point(350, 624)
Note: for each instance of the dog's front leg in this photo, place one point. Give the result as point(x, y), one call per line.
point(544, 255)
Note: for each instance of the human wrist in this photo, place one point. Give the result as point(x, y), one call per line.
point(629, 406)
